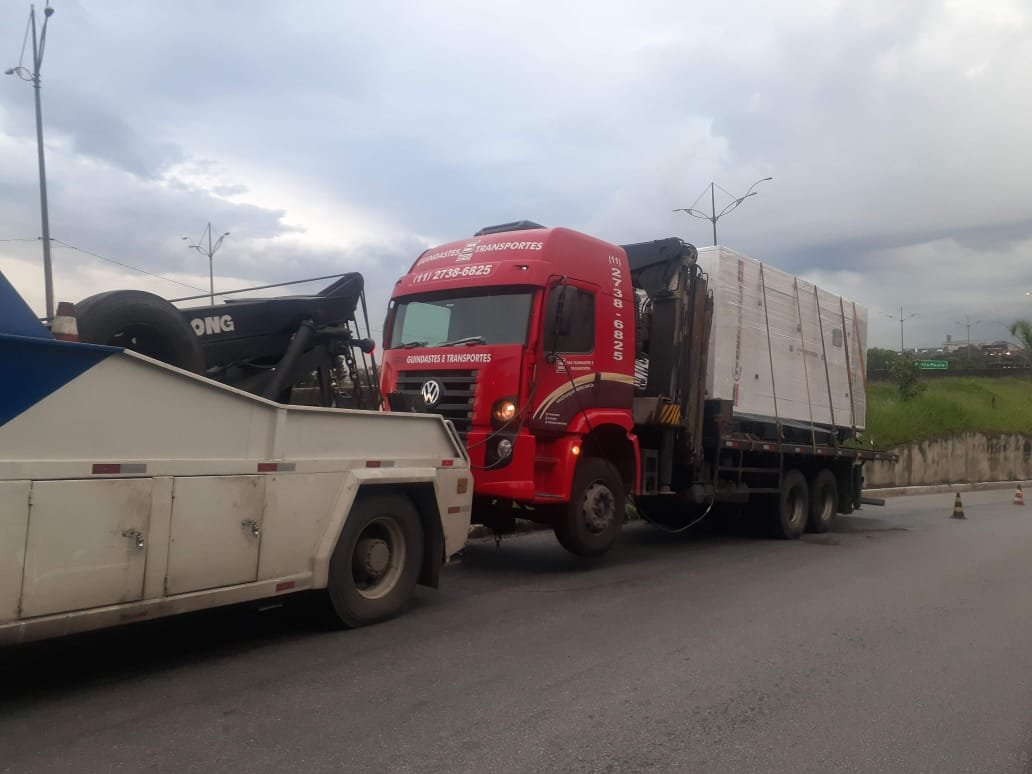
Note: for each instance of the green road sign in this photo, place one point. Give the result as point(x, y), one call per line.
point(933, 365)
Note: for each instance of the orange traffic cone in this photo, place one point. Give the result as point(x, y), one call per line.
point(958, 509)
point(1019, 496)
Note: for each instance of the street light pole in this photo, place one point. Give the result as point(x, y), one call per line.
point(713, 209)
point(714, 216)
point(902, 319)
point(210, 252)
point(967, 322)
point(48, 272)
point(38, 46)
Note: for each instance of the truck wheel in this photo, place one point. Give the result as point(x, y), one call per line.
point(823, 501)
point(142, 322)
point(375, 565)
point(793, 506)
point(589, 524)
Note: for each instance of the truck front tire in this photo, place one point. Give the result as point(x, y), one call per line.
point(375, 565)
point(590, 522)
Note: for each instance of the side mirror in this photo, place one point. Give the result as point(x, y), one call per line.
point(365, 345)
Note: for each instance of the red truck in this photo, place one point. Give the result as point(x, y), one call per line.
point(580, 373)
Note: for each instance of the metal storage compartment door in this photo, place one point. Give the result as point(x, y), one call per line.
point(216, 530)
point(288, 541)
point(86, 544)
point(14, 523)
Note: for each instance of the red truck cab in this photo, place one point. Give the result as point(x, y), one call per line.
point(524, 337)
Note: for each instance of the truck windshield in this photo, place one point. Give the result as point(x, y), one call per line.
point(498, 317)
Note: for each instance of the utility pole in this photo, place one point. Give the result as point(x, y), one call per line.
point(209, 251)
point(38, 46)
point(714, 216)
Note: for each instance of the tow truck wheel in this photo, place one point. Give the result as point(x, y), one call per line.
point(793, 506)
point(591, 521)
point(375, 565)
point(823, 501)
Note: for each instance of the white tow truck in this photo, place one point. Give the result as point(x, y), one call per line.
point(131, 489)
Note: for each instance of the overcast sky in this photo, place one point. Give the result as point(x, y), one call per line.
point(332, 137)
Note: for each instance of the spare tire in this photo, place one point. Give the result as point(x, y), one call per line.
point(142, 322)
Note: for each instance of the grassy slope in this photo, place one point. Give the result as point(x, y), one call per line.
point(948, 406)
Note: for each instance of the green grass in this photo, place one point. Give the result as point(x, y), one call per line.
point(947, 407)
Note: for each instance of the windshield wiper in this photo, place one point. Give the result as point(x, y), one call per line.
point(465, 340)
point(412, 344)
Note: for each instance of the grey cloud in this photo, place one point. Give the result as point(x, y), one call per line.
point(229, 190)
point(603, 116)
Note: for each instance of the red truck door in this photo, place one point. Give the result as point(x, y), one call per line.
point(573, 377)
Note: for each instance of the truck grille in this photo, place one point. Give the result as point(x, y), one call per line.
point(458, 389)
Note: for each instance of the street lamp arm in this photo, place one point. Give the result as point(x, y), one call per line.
point(761, 180)
point(21, 72)
point(47, 13)
point(694, 213)
point(733, 206)
point(714, 215)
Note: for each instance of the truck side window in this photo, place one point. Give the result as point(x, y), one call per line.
point(577, 328)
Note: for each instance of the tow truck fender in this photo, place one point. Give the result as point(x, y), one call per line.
point(447, 535)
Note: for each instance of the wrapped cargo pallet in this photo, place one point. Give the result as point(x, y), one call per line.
point(782, 348)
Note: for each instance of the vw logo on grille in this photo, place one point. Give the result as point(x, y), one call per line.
point(431, 392)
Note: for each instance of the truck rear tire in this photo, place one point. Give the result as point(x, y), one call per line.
point(589, 524)
point(142, 322)
point(793, 507)
point(823, 501)
point(375, 565)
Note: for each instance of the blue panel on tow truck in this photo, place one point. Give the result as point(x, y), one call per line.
point(33, 364)
point(15, 316)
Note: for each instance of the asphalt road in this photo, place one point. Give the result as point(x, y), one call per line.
point(900, 643)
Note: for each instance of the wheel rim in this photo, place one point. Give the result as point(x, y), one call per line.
point(378, 558)
point(796, 506)
point(598, 507)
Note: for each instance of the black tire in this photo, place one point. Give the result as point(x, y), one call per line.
point(793, 507)
point(589, 524)
point(823, 501)
point(359, 594)
point(142, 322)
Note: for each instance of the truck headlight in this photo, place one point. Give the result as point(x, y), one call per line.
point(504, 411)
point(504, 448)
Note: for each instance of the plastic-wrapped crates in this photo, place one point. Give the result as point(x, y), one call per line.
point(780, 347)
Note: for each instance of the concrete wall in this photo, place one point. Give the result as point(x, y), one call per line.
point(966, 458)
